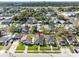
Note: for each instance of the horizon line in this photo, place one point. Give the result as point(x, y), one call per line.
point(39, 1)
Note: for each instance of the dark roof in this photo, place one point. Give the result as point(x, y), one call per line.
point(8, 21)
point(3, 39)
point(50, 39)
point(40, 40)
point(19, 35)
point(27, 42)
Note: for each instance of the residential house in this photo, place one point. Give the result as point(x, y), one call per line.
point(40, 40)
point(31, 20)
point(50, 40)
point(7, 21)
point(25, 28)
point(18, 36)
point(26, 39)
point(3, 40)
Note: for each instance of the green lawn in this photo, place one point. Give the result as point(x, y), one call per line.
point(46, 47)
point(64, 46)
point(33, 49)
point(56, 49)
point(1, 47)
point(20, 48)
point(71, 49)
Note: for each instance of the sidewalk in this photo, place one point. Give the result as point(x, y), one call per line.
point(25, 51)
point(13, 47)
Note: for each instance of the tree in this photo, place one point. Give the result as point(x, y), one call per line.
point(33, 30)
point(15, 18)
point(72, 8)
point(60, 9)
point(45, 31)
point(12, 28)
point(52, 25)
point(62, 17)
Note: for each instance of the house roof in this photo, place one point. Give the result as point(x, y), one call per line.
point(19, 35)
point(40, 40)
point(8, 21)
point(50, 39)
point(2, 39)
point(26, 38)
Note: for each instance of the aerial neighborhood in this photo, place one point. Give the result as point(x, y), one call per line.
point(50, 30)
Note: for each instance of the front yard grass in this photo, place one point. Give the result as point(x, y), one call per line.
point(56, 49)
point(71, 49)
point(1, 47)
point(64, 46)
point(46, 47)
point(33, 49)
point(20, 48)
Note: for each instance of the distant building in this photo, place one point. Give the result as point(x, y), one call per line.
point(69, 14)
point(31, 20)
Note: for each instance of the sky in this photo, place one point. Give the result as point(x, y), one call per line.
point(33, 0)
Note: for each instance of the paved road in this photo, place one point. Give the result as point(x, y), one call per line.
point(11, 53)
